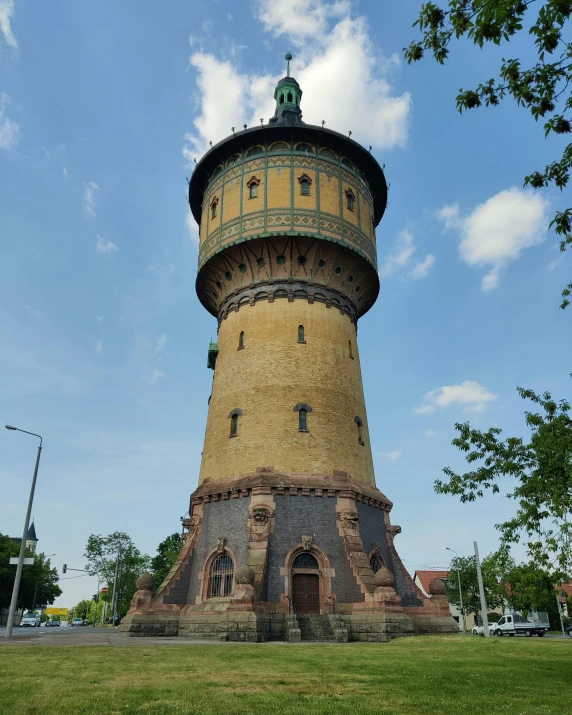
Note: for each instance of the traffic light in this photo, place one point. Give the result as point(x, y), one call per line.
point(96, 597)
point(65, 568)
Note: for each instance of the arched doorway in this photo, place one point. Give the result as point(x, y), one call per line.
point(305, 584)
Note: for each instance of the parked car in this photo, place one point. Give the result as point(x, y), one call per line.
point(77, 622)
point(30, 619)
point(479, 630)
point(535, 624)
point(56, 624)
point(568, 629)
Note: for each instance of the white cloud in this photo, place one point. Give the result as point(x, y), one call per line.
point(66, 174)
point(100, 318)
point(9, 130)
point(401, 255)
point(155, 376)
point(496, 231)
point(421, 269)
point(99, 347)
point(35, 313)
point(430, 433)
point(391, 456)
point(6, 12)
point(105, 246)
point(470, 394)
point(161, 343)
point(89, 198)
point(337, 53)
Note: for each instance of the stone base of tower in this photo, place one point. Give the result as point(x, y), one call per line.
point(280, 556)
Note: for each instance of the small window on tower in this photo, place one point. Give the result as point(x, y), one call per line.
point(359, 424)
point(241, 340)
point(303, 420)
point(281, 99)
point(350, 347)
point(214, 205)
point(290, 98)
point(252, 185)
point(301, 334)
point(305, 183)
point(233, 417)
point(350, 200)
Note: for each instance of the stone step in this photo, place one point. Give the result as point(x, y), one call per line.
point(315, 628)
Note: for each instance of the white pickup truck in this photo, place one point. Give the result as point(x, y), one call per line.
point(511, 624)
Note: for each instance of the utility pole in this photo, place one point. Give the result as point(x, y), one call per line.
point(558, 597)
point(460, 591)
point(14, 601)
point(482, 594)
point(115, 584)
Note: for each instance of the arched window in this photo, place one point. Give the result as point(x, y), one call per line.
point(241, 340)
point(290, 98)
point(303, 409)
point(281, 99)
point(301, 334)
point(253, 191)
point(306, 148)
point(350, 200)
point(376, 563)
point(359, 424)
point(214, 204)
point(280, 146)
point(305, 182)
point(233, 417)
point(350, 347)
point(328, 153)
point(305, 560)
point(221, 575)
point(253, 151)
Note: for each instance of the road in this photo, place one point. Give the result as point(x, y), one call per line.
point(29, 632)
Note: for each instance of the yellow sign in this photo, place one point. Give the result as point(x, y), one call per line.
point(50, 611)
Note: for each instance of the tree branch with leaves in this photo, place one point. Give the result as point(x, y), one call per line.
point(543, 87)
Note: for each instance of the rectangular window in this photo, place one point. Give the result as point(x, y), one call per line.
point(253, 191)
point(305, 187)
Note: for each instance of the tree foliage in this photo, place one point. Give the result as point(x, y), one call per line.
point(39, 580)
point(542, 470)
point(492, 567)
point(543, 88)
point(167, 553)
point(102, 553)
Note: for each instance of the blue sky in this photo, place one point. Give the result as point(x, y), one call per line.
point(103, 106)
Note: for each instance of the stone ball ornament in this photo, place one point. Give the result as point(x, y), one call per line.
point(384, 578)
point(244, 575)
point(437, 587)
point(145, 582)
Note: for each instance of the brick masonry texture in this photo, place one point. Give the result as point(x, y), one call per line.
point(271, 375)
point(225, 519)
point(316, 516)
point(372, 531)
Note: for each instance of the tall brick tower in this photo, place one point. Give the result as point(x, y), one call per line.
point(287, 535)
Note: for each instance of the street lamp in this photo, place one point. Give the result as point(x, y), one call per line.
point(14, 601)
point(460, 592)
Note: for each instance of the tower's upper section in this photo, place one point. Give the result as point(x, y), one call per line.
point(288, 202)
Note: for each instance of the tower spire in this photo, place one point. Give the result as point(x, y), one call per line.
point(287, 95)
point(288, 57)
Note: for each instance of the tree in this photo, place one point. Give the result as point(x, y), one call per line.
point(82, 609)
point(102, 553)
point(542, 88)
point(39, 583)
point(492, 567)
point(167, 553)
point(542, 469)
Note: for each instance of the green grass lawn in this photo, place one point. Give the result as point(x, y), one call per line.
point(435, 675)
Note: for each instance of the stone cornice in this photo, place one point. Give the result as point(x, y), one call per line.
point(267, 481)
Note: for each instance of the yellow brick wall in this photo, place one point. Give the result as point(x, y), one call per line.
point(269, 377)
point(279, 187)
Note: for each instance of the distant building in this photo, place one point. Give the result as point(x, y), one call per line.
point(31, 539)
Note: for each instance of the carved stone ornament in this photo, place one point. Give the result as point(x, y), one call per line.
point(307, 542)
point(191, 523)
point(260, 515)
point(375, 550)
point(349, 518)
point(220, 543)
point(392, 531)
point(245, 575)
point(145, 582)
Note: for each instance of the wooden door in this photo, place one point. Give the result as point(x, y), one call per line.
point(306, 593)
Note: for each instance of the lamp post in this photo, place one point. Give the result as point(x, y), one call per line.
point(460, 592)
point(14, 601)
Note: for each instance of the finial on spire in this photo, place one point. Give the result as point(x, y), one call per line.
point(288, 57)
